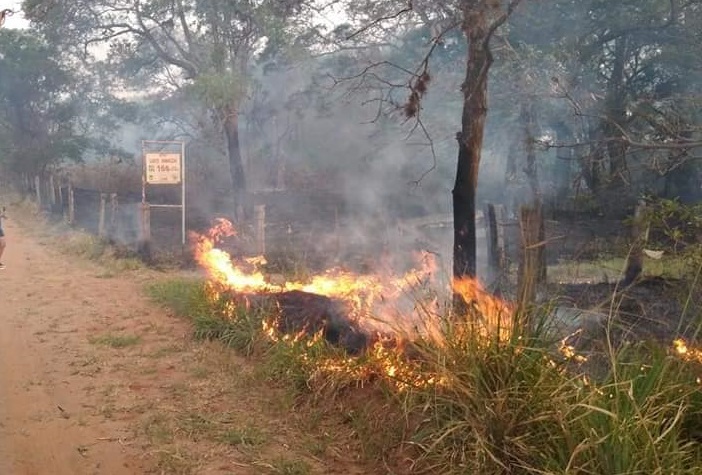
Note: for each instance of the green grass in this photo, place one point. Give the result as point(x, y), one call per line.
point(246, 436)
point(185, 297)
point(501, 407)
point(196, 426)
point(285, 466)
point(214, 317)
point(514, 408)
point(612, 269)
point(116, 341)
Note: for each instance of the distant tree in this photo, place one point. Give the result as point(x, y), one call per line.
point(478, 21)
point(627, 71)
point(38, 106)
point(206, 46)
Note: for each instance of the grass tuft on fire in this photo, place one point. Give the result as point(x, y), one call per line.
point(473, 403)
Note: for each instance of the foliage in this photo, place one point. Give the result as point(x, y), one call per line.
point(214, 316)
point(38, 106)
point(495, 406)
point(616, 70)
point(674, 224)
point(219, 88)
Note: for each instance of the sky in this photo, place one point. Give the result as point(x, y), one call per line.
point(17, 20)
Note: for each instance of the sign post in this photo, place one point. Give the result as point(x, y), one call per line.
point(164, 164)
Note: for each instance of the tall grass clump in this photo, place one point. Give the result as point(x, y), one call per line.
point(185, 297)
point(518, 407)
point(467, 401)
point(214, 315)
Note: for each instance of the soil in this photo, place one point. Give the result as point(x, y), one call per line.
point(96, 379)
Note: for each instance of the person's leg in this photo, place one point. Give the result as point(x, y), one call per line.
point(2, 247)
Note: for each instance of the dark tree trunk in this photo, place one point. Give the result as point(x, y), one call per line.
point(634, 261)
point(591, 164)
point(470, 142)
point(236, 164)
point(528, 118)
point(616, 118)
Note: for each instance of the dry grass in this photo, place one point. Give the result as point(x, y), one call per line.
point(515, 406)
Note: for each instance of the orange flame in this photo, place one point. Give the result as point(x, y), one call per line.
point(685, 352)
point(494, 313)
point(244, 277)
point(365, 292)
point(380, 302)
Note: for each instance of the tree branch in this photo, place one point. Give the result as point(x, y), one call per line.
point(184, 24)
point(377, 21)
point(144, 32)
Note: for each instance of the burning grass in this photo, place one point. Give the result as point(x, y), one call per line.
point(468, 393)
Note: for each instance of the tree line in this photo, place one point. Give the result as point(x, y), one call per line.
point(594, 100)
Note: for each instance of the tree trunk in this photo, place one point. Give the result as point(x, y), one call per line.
point(616, 117)
point(634, 261)
point(590, 165)
point(532, 265)
point(529, 123)
point(236, 165)
point(470, 142)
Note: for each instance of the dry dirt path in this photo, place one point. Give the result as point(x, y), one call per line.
point(49, 307)
point(95, 379)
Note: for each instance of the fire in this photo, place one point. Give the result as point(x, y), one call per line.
point(685, 352)
point(244, 277)
point(382, 303)
point(368, 294)
point(493, 313)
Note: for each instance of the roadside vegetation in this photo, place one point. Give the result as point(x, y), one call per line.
point(486, 405)
point(340, 119)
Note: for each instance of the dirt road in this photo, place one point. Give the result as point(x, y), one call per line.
point(50, 308)
point(96, 379)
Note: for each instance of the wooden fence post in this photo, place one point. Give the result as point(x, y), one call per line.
point(61, 200)
point(114, 210)
point(52, 192)
point(532, 272)
point(260, 229)
point(145, 231)
point(101, 219)
point(634, 261)
point(37, 189)
point(494, 217)
point(71, 205)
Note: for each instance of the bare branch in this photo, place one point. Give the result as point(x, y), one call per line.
point(426, 172)
point(513, 4)
point(181, 63)
point(184, 26)
point(4, 14)
point(378, 21)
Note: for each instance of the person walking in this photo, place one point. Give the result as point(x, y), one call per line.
point(2, 237)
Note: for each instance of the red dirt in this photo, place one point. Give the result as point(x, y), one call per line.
point(73, 402)
point(48, 421)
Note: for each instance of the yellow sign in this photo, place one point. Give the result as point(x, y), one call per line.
point(162, 168)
